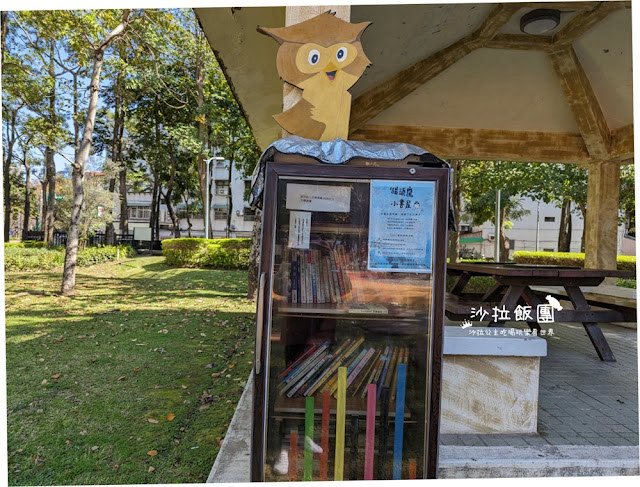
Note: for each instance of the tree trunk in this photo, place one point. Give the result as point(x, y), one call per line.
point(583, 211)
point(175, 221)
point(27, 197)
point(504, 241)
point(71, 254)
point(564, 233)
point(152, 218)
point(202, 123)
point(453, 250)
point(110, 231)
point(50, 215)
point(254, 256)
point(188, 215)
point(230, 198)
point(7, 179)
point(124, 216)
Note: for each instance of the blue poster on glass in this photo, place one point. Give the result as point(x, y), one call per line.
point(401, 226)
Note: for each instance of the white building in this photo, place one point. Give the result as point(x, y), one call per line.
point(139, 209)
point(536, 231)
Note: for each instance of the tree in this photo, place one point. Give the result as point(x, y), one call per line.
point(628, 198)
point(98, 49)
point(481, 181)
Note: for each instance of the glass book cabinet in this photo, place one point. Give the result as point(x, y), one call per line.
point(349, 322)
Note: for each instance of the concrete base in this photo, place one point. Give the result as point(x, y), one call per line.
point(234, 458)
point(462, 462)
point(490, 382)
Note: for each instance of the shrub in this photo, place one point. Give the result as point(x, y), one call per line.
point(625, 262)
point(229, 253)
point(17, 258)
point(99, 255)
point(29, 244)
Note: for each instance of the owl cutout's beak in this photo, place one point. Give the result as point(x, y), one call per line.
point(331, 70)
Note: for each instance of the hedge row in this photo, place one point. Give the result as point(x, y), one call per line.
point(228, 253)
point(625, 262)
point(29, 244)
point(18, 258)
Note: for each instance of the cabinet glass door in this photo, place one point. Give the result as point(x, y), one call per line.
point(349, 328)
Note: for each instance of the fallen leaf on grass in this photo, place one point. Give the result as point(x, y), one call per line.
point(83, 432)
point(55, 376)
point(137, 369)
point(94, 448)
point(151, 420)
point(152, 453)
point(68, 442)
point(44, 382)
point(122, 378)
point(170, 417)
point(116, 467)
point(219, 440)
point(151, 469)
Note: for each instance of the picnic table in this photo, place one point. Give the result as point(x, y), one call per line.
point(513, 288)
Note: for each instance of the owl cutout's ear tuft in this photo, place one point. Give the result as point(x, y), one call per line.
point(325, 29)
point(272, 32)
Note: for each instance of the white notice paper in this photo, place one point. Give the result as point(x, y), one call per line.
point(299, 229)
point(312, 197)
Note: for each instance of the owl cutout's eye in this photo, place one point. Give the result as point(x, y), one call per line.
point(341, 55)
point(314, 57)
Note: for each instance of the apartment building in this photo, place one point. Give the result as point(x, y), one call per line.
point(224, 187)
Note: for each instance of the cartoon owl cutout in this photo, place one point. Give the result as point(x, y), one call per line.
point(323, 57)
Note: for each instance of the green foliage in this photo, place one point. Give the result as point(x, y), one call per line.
point(29, 244)
point(22, 258)
point(625, 262)
point(629, 283)
point(231, 253)
point(99, 255)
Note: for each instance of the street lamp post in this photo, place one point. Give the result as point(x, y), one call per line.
point(206, 210)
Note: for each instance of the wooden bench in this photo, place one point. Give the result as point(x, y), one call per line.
point(615, 298)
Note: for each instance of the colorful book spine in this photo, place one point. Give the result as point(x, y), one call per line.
point(398, 433)
point(308, 439)
point(314, 277)
point(392, 367)
point(294, 281)
point(303, 366)
point(338, 472)
point(343, 292)
point(303, 276)
point(366, 372)
point(325, 280)
point(315, 380)
point(413, 469)
point(361, 364)
point(324, 435)
point(298, 361)
point(332, 291)
point(299, 380)
point(385, 370)
point(375, 374)
point(338, 362)
point(311, 371)
point(370, 432)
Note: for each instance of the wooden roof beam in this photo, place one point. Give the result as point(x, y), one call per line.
point(582, 100)
point(526, 42)
point(622, 144)
point(380, 97)
point(582, 22)
point(483, 144)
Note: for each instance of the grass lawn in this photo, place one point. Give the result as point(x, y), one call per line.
point(93, 381)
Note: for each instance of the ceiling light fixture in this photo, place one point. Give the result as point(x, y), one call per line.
point(540, 21)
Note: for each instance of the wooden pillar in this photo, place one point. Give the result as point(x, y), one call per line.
point(294, 15)
point(601, 233)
